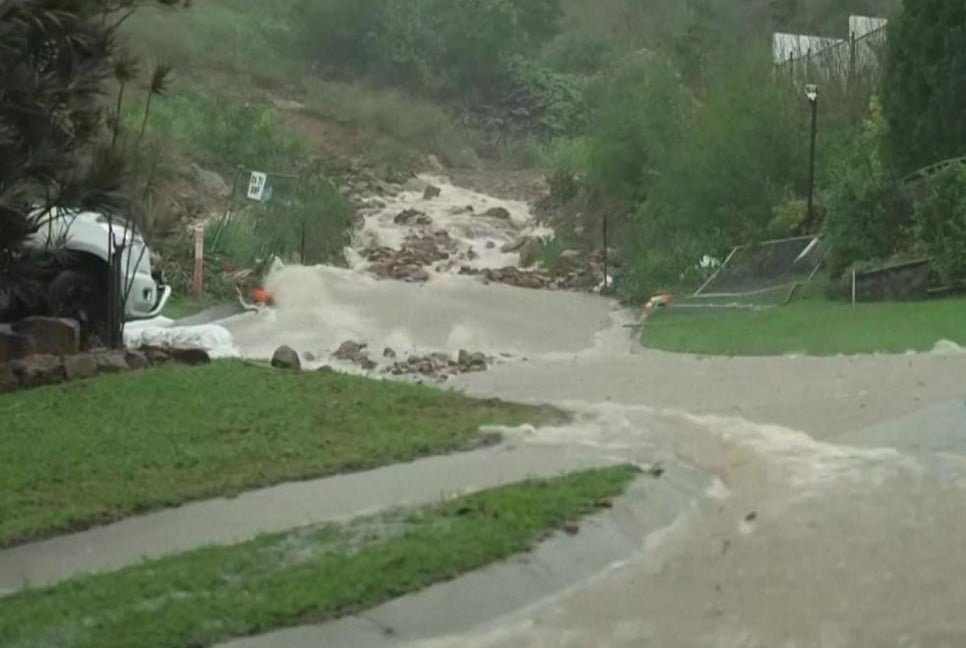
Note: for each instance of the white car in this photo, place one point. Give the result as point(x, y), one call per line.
point(78, 286)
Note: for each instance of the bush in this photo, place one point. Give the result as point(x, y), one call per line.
point(940, 223)
point(869, 218)
point(318, 212)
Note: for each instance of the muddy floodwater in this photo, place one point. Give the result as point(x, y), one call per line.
point(807, 502)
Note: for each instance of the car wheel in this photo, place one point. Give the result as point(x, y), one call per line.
point(81, 296)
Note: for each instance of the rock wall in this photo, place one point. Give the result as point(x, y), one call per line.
point(41, 351)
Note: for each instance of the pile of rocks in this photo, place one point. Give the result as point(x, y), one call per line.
point(355, 352)
point(410, 262)
point(42, 351)
point(439, 365)
point(579, 279)
point(412, 217)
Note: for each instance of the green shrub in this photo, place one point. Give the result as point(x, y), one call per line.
point(940, 223)
point(869, 218)
point(219, 130)
point(317, 212)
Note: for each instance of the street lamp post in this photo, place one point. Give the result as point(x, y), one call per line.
point(811, 93)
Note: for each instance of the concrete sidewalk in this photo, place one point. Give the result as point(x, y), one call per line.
point(476, 599)
point(277, 509)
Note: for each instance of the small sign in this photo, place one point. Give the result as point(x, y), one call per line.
point(256, 185)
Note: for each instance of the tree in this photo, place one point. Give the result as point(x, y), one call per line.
point(57, 62)
point(924, 92)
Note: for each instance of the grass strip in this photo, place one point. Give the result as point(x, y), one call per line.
point(305, 576)
point(91, 452)
point(812, 327)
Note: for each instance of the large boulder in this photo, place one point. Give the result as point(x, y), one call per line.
point(14, 346)
point(285, 357)
point(51, 335)
point(431, 192)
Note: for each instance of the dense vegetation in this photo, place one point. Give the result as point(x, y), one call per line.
point(667, 117)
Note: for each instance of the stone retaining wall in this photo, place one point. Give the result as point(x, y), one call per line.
point(43, 351)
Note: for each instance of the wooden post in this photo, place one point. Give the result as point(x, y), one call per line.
point(853, 287)
point(198, 285)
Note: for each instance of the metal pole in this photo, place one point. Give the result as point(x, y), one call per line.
point(810, 214)
point(116, 281)
point(302, 242)
point(605, 252)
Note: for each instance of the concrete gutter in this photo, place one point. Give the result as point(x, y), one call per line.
point(478, 599)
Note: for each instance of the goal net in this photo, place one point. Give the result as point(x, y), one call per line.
point(760, 275)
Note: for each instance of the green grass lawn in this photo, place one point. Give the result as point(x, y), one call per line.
point(305, 576)
point(814, 327)
point(91, 452)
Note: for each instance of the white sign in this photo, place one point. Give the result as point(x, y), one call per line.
point(256, 185)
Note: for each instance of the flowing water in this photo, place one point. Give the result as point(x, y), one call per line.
point(801, 539)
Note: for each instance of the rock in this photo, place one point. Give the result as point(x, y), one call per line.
point(572, 527)
point(567, 262)
point(431, 192)
point(471, 361)
point(424, 220)
point(389, 353)
point(51, 335)
point(355, 352)
point(418, 275)
point(39, 370)
point(456, 211)
point(349, 350)
point(136, 361)
point(9, 380)
point(605, 503)
point(155, 355)
point(309, 356)
point(490, 245)
point(407, 216)
point(498, 213)
point(14, 346)
point(81, 366)
point(189, 356)
point(111, 362)
point(326, 369)
point(285, 357)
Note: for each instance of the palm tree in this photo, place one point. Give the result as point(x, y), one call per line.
point(57, 61)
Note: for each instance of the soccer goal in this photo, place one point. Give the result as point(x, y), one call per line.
point(760, 275)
